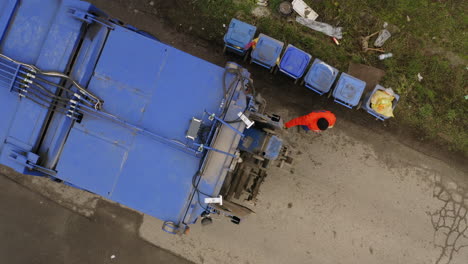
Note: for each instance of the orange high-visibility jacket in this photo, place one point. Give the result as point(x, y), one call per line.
point(311, 119)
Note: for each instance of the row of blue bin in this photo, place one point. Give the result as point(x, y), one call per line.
point(294, 62)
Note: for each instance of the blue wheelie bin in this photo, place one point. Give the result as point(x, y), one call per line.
point(368, 107)
point(320, 77)
point(267, 52)
point(294, 62)
point(238, 36)
point(348, 90)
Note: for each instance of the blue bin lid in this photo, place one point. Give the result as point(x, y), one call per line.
point(349, 89)
point(294, 61)
point(321, 76)
point(267, 50)
point(239, 33)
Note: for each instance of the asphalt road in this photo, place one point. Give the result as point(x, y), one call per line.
point(356, 194)
point(36, 230)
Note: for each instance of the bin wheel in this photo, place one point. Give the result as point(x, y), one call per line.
point(359, 106)
point(257, 157)
point(269, 131)
point(246, 56)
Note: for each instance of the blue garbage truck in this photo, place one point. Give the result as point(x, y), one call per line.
point(99, 105)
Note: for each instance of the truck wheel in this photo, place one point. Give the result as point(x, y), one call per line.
point(206, 221)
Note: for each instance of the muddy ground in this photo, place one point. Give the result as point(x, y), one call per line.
point(363, 192)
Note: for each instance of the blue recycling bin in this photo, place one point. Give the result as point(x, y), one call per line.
point(320, 77)
point(348, 90)
point(238, 36)
point(267, 52)
point(294, 62)
point(368, 107)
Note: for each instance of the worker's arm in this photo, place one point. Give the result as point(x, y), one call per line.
point(299, 121)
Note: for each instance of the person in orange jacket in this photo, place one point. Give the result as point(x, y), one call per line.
point(316, 121)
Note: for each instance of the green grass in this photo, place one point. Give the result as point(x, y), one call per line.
point(433, 43)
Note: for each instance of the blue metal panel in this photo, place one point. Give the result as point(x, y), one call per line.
point(348, 90)
point(294, 62)
point(7, 7)
point(132, 168)
point(239, 34)
point(267, 51)
point(273, 148)
point(42, 33)
point(320, 77)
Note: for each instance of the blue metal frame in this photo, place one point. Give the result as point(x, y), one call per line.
point(134, 150)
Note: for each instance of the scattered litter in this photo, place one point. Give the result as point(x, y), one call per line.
point(321, 27)
point(382, 102)
point(136, 11)
point(384, 35)
point(365, 43)
point(385, 56)
point(151, 3)
point(408, 18)
point(261, 11)
point(304, 10)
point(202, 28)
point(385, 24)
point(112, 257)
point(285, 8)
point(420, 78)
point(262, 2)
point(224, 25)
point(336, 41)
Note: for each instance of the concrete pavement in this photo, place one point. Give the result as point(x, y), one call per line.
point(36, 230)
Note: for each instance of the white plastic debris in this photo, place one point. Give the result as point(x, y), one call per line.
point(385, 56)
point(408, 18)
point(420, 78)
point(224, 25)
point(112, 257)
point(321, 27)
point(385, 24)
point(151, 3)
point(304, 10)
point(384, 35)
point(262, 2)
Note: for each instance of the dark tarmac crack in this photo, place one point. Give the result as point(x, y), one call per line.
point(450, 222)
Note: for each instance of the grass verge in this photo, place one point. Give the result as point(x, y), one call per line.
point(430, 39)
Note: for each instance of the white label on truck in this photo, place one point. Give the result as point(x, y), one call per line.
point(214, 200)
point(245, 119)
